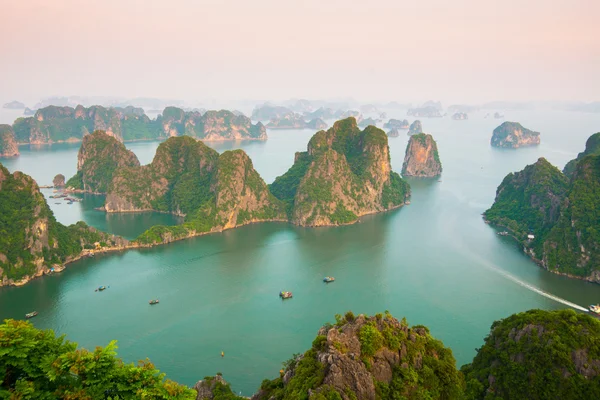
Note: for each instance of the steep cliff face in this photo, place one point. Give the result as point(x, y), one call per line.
point(99, 157)
point(513, 135)
point(290, 120)
point(8, 142)
point(592, 147)
point(415, 128)
point(422, 159)
point(573, 244)
point(211, 125)
point(538, 355)
point(344, 174)
point(369, 358)
point(32, 241)
point(55, 124)
point(186, 177)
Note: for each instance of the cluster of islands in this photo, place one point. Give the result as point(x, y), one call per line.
point(345, 173)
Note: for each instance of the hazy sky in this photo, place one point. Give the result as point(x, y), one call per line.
point(455, 51)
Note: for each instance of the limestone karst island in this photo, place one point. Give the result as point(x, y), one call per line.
point(307, 200)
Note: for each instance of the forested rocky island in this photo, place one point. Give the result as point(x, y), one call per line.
point(531, 355)
point(513, 135)
point(55, 124)
point(32, 241)
point(553, 216)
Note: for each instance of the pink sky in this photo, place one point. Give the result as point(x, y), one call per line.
point(456, 51)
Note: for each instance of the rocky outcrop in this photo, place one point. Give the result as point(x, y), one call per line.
point(14, 105)
point(317, 124)
point(366, 122)
point(8, 143)
point(214, 387)
point(322, 113)
point(341, 114)
point(344, 174)
point(592, 147)
point(537, 354)
point(28, 111)
point(428, 111)
point(513, 135)
point(268, 112)
point(32, 241)
point(415, 128)
point(55, 124)
point(99, 157)
point(396, 124)
point(214, 192)
point(459, 116)
point(290, 120)
point(59, 181)
point(211, 125)
point(368, 358)
point(422, 159)
point(393, 132)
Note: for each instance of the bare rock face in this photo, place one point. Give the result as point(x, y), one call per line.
point(513, 135)
point(421, 159)
point(359, 357)
point(345, 173)
point(415, 128)
point(59, 181)
point(8, 142)
point(99, 157)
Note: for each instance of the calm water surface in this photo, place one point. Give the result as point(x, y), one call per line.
point(434, 262)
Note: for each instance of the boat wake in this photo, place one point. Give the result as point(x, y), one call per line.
point(526, 285)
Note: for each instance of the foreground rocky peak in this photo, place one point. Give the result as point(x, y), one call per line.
point(537, 354)
point(368, 358)
point(514, 135)
point(415, 128)
point(592, 147)
point(8, 142)
point(421, 159)
point(345, 173)
point(99, 157)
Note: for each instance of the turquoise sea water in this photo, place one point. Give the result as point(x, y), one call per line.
point(435, 262)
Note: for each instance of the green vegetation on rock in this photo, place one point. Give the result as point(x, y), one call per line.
point(367, 358)
point(562, 215)
point(538, 355)
point(592, 147)
point(31, 240)
point(100, 157)
point(35, 364)
point(8, 142)
point(514, 135)
point(344, 174)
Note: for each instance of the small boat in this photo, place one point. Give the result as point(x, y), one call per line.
point(100, 288)
point(285, 295)
point(31, 314)
point(595, 309)
point(152, 302)
point(503, 233)
point(328, 279)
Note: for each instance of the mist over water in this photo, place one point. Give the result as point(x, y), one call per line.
point(435, 261)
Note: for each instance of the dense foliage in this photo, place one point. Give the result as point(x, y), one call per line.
point(511, 134)
point(538, 355)
point(35, 364)
point(30, 233)
point(563, 215)
point(592, 147)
